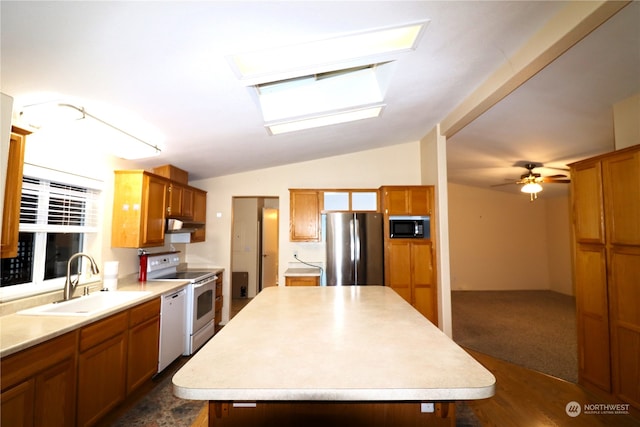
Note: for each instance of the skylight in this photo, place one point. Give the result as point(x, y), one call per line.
point(336, 117)
point(319, 94)
point(326, 55)
point(328, 81)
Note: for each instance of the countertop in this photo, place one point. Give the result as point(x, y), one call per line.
point(302, 271)
point(340, 343)
point(18, 332)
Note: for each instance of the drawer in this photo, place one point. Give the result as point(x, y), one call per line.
point(102, 330)
point(143, 312)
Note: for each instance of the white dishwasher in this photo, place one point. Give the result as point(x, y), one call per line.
point(173, 326)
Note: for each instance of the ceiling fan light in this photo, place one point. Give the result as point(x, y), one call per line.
point(531, 188)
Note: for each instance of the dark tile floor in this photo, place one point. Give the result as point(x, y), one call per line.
point(160, 408)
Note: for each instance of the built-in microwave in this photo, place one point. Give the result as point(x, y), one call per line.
point(409, 227)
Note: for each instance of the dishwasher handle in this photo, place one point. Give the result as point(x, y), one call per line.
point(175, 295)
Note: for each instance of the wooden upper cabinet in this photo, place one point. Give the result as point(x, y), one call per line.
point(174, 200)
point(180, 201)
point(187, 202)
point(621, 176)
point(407, 200)
point(139, 204)
point(13, 193)
point(304, 219)
point(587, 201)
point(199, 214)
point(179, 194)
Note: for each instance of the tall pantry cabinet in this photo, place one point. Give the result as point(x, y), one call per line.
point(605, 193)
point(410, 264)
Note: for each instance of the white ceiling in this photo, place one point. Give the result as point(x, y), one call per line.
point(166, 62)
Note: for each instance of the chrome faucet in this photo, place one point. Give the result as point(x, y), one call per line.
point(69, 285)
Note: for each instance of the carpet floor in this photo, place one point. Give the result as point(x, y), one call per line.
point(533, 329)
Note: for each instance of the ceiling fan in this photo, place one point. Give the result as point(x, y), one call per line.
point(531, 180)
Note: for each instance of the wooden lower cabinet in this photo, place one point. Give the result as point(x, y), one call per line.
point(39, 384)
point(334, 414)
point(593, 315)
point(18, 404)
point(102, 368)
point(79, 377)
point(302, 281)
point(409, 270)
point(117, 355)
point(143, 348)
point(624, 319)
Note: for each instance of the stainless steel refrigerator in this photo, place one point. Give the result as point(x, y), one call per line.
point(354, 249)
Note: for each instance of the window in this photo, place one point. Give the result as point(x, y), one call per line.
point(350, 200)
point(56, 220)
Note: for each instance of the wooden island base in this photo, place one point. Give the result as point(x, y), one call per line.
point(334, 414)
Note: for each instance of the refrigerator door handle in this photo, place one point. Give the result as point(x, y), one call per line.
point(356, 249)
point(352, 238)
point(356, 240)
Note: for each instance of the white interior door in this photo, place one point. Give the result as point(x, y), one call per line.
point(269, 247)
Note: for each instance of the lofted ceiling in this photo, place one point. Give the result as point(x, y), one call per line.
point(166, 63)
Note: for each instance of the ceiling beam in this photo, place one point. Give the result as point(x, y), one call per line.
point(565, 29)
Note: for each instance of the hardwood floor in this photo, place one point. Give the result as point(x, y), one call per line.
point(203, 418)
point(526, 398)
point(238, 304)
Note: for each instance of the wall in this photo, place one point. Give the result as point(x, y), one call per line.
point(502, 241)
point(434, 172)
point(366, 169)
point(245, 240)
point(558, 220)
point(626, 121)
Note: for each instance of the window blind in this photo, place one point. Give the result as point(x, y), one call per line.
point(49, 206)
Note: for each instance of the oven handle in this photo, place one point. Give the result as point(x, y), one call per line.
point(199, 285)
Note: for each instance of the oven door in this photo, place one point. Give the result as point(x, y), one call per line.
point(204, 298)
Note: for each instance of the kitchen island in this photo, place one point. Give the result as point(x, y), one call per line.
point(352, 355)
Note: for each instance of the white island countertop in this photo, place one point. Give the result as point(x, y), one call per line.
point(350, 343)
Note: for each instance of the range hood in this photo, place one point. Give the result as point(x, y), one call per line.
point(176, 226)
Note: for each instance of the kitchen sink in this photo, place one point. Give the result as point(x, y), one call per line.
point(86, 305)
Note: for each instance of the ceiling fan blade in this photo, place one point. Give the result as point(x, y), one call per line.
point(555, 176)
point(558, 169)
point(547, 180)
point(506, 183)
